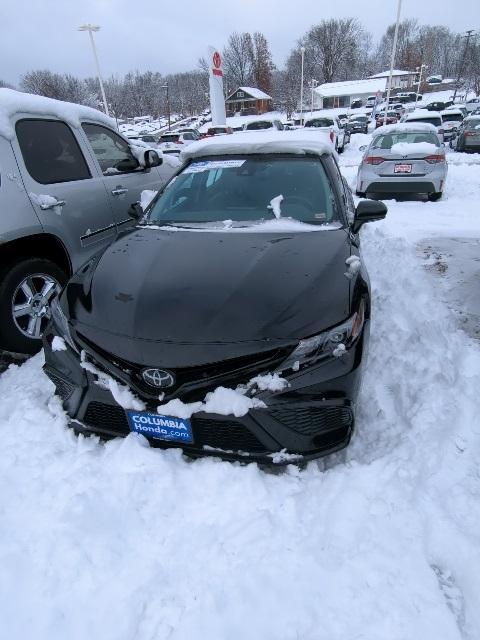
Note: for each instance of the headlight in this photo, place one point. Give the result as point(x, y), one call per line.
point(324, 344)
point(61, 323)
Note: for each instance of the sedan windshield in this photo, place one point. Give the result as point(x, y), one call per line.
point(247, 188)
point(388, 140)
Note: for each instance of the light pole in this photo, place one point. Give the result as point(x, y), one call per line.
point(422, 68)
point(91, 28)
point(392, 59)
point(302, 51)
point(312, 84)
point(165, 86)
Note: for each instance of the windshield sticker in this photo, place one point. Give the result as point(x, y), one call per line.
point(208, 165)
point(320, 216)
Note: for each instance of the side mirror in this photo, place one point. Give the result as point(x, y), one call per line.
point(362, 148)
point(135, 211)
point(152, 159)
point(368, 211)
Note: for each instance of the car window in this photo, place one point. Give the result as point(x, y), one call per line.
point(241, 188)
point(319, 122)
point(386, 141)
point(50, 151)
point(112, 152)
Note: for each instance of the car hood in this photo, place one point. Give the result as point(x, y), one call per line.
point(184, 295)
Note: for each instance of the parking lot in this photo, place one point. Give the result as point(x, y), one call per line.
point(118, 541)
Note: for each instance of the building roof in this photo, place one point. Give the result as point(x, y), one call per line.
point(395, 72)
point(258, 94)
point(351, 87)
point(299, 141)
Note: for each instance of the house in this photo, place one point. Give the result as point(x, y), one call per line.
point(248, 101)
point(400, 79)
point(341, 94)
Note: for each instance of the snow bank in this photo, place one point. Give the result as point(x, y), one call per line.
point(407, 148)
point(13, 102)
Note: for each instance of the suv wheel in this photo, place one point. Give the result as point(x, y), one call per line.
point(433, 197)
point(26, 292)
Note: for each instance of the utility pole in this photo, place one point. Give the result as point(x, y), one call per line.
point(302, 51)
point(422, 67)
point(91, 28)
point(165, 86)
point(467, 36)
point(392, 59)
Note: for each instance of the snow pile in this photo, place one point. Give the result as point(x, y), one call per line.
point(44, 201)
point(407, 148)
point(122, 394)
point(58, 344)
point(275, 206)
point(13, 102)
point(281, 225)
point(146, 197)
point(222, 401)
point(354, 265)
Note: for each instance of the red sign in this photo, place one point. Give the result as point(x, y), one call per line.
point(217, 63)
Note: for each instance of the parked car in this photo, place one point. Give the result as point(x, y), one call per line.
point(331, 126)
point(451, 120)
point(459, 107)
point(403, 158)
point(356, 104)
point(392, 118)
point(145, 138)
point(218, 130)
point(371, 101)
point(428, 117)
point(438, 105)
point(343, 118)
point(293, 368)
point(174, 142)
point(256, 125)
point(67, 180)
point(195, 132)
point(467, 138)
point(358, 123)
point(473, 104)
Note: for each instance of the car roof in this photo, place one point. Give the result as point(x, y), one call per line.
point(422, 113)
point(406, 127)
point(268, 141)
point(449, 112)
point(14, 102)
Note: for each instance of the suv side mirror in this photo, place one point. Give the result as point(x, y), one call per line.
point(368, 211)
point(135, 211)
point(152, 159)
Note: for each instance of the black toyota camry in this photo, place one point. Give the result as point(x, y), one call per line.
point(245, 265)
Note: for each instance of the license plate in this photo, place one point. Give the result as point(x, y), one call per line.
point(159, 427)
point(403, 168)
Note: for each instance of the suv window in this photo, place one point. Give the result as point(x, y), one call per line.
point(112, 152)
point(50, 151)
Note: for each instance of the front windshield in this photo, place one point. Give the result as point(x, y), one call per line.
point(455, 117)
point(170, 138)
point(358, 119)
point(388, 140)
point(246, 189)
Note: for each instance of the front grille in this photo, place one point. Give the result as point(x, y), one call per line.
point(207, 432)
point(193, 382)
point(63, 388)
point(312, 421)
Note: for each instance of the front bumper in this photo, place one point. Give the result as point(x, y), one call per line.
point(313, 416)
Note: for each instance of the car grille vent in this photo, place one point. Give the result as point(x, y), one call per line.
point(63, 388)
point(313, 420)
point(207, 432)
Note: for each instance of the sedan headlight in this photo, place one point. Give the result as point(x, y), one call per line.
point(61, 323)
point(326, 344)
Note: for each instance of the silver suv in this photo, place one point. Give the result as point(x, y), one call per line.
point(67, 180)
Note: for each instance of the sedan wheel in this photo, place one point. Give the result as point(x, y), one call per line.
point(26, 293)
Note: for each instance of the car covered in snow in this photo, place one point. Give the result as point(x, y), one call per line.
point(258, 125)
point(67, 180)
point(451, 120)
point(174, 141)
point(234, 319)
point(467, 137)
point(330, 125)
point(358, 123)
point(403, 159)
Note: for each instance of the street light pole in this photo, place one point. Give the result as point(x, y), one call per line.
point(392, 59)
point(422, 67)
point(302, 50)
point(165, 86)
point(91, 28)
point(313, 84)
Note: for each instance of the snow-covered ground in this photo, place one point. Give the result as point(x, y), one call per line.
point(119, 541)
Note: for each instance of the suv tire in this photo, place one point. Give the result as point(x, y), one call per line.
point(433, 197)
point(30, 286)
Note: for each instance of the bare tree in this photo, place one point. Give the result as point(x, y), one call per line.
point(262, 63)
point(238, 59)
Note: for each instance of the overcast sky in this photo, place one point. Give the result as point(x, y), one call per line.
point(170, 36)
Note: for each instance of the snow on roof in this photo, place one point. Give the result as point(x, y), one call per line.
point(13, 102)
point(297, 141)
point(422, 113)
point(405, 127)
point(351, 87)
point(254, 92)
point(451, 111)
point(395, 72)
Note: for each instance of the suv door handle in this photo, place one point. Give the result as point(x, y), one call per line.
point(58, 203)
point(119, 191)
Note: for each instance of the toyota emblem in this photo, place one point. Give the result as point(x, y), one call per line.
point(158, 378)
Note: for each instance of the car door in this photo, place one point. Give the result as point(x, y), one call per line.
point(123, 176)
point(63, 185)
